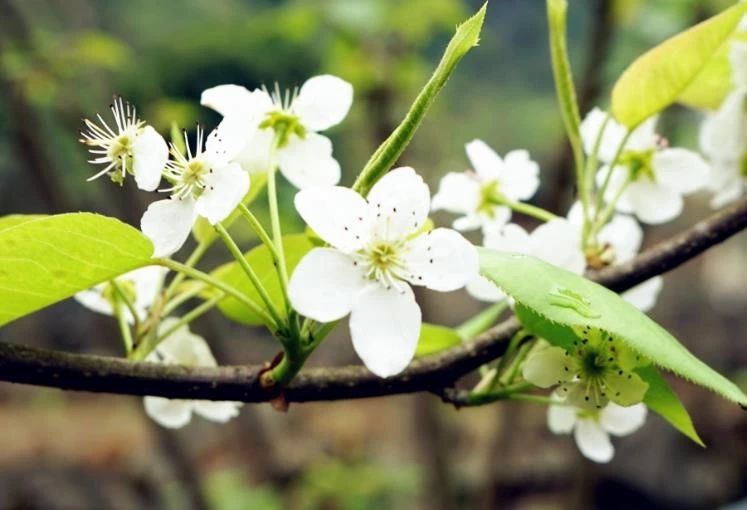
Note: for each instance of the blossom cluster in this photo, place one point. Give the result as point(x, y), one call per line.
point(376, 247)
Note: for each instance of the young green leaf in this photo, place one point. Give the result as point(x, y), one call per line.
point(434, 338)
point(45, 259)
point(467, 36)
point(260, 258)
point(567, 299)
point(658, 77)
point(16, 219)
point(662, 400)
point(561, 69)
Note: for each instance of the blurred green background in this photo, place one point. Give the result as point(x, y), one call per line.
point(61, 60)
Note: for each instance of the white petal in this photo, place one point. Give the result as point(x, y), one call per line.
point(497, 219)
point(225, 187)
point(558, 242)
point(511, 238)
point(547, 367)
point(182, 347)
point(519, 176)
point(399, 203)
point(611, 138)
point(147, 281)
point(722, 134)
point(576, 214)
point(653, 203)
point(561, 418)
point(235, 100)
point(622, 421)
point(681, 170)
point(167, 224)
point(255, 156)
point(338, 215)
point(644, 137)
point(173, 414)
point(457, 193)
point(225, 142)
point(308, 161)
point(624, 235)
point(149, 156)
point(323, 102)
point(441, 259)
point(617, 180)
point(483, 289)
point(384, 327)
point(738, 61)
point(485, 161)
point(466, 223)
point(93, 299)
point(644, 295)
point(219, 412)
point(726, 183)
point(325, 284)
point(593, 441)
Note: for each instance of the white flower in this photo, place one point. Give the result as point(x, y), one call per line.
point(141, 287)
point(130, 146)
point(183, 347)
point(557, 242)
point(378, 250)
point(294, 120)
point(207, 183)
point(596, 370)
point(618, 242)
point(591, 427)
point(654, 177)
point(480, 196)
point(723, 136)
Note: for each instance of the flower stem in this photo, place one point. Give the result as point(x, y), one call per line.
point(204, 277)
point(531, 210)
point(147, 346)
point(277, 234)
point(193, 259)
point(239, 256)
point(602, 219)
point(608, 177)
point(258, 229)
point(124, 327)
point(121, 297)
point(588, 184)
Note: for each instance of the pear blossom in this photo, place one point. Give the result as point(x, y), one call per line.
point(597, 369)
point(378, 249)
point(617, 242)
point(558, 242)
point(723, 136)
point(182, 347)
point(481, 196)
point(649, 178)
point(141, 287)
point(128, 146)
point(206, 183)
point(591, 428)
point(289, 126)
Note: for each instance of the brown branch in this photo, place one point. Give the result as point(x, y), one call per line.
point(29, 365)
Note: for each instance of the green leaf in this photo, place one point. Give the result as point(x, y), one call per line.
point(204, 232)
point(662, 400)
point(434, 338)
point(15, 219)
point(467, 36)
point(709, 89)
point(45, 259)
point(295, 246)
point(566, 299)
point(658, 77)
point(561, 68)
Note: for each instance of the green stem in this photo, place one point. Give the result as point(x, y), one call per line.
point(589, 181)
point(503, 363)
point(506, 392)
point(193, 259)
point(482, 321)
point(204, 277)
point(179, 299)
point(277, 234)
point(124, 327)
point(239, 256)
point(148, 345)
point(605, 216)
point(258, 229)
point(122, 297)
point(608, 177)
point(530, 210)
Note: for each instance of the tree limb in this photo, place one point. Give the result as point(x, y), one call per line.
point(43, 367)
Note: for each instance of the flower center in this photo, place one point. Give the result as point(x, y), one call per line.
point(383, 262)
point(639, 164)
point(284, 124)
point(490, 196)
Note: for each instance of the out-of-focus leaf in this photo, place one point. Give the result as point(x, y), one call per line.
point(434, 338)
